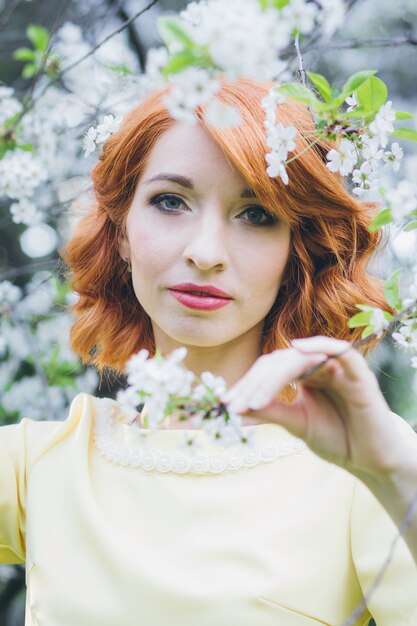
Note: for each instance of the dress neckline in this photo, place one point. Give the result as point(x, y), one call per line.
point(168, 450)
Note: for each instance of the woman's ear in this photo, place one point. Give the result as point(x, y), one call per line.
point(124, 248)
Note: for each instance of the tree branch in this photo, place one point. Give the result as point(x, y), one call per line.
point(122, 27)
point(133, 36)
point(30, 268)
point(8, 12)
point(71, 66)
point(301, 70)
point(366, 43)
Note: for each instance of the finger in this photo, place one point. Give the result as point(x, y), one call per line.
point(354, 364)
point(262, 383)
point(290, 416)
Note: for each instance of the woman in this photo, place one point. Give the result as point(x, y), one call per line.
point(279, 533)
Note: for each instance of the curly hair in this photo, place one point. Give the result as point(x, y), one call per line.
point(326, 273)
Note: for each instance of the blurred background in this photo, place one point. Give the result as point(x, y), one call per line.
point(39, 374)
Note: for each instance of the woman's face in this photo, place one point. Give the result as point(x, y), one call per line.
point(194, 220)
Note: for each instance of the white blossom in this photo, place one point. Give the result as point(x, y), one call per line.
point(300, 15)
point(269, 103)
point(193, 12)
point(222, 115)
point(55, 332)
point(128, 401)
point(108, 126)
point(371, 152)
point(20, 174)
point(281, 140)
point(38, 301)
point(17, 340)
point(9, 105)
point(215, 384)
point(223, 28)
point(365, 178)
point(411, 297)
point(190, 88)
point(30, 398)
point(155, 380)
point(383, 123)
point(406, 337)
point(89, 141)
point(344, 159)
point(351, 102)
point(394, 156)
point(414, 361)
point(378, 321)
point(276, 167)
point(402, 199)
point(9, 294)
point(25, 212)
point(332, 15)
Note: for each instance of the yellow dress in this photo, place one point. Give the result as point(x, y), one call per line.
point(120, 526)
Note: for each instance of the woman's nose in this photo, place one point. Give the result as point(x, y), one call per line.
point(207, 245)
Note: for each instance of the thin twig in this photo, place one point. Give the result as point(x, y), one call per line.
point(301, 69)
point(412, 507)
point(71, 66)
point(48, 49)
point(30, 268)
point(8, 12)
point(356, 614)
point(365, 43)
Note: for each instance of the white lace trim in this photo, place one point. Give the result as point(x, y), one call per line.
point(177, 460)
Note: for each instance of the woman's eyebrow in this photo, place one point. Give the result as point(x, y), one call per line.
point(175, 178)
point(186, 182)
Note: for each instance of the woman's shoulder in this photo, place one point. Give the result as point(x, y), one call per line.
point(33, 438)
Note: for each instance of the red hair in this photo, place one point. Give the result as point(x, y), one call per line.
point(326, 273)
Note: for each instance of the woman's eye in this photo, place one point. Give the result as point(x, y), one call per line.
point(259, 216)
point(167, 202)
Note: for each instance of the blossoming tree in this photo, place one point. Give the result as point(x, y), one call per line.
point(73, 96)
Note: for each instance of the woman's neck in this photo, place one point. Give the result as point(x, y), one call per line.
point(230, 361)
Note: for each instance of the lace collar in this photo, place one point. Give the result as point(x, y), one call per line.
point(166, 450)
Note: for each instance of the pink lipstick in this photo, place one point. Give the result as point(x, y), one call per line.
point(202, 297)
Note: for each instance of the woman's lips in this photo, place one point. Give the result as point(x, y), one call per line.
point(203, 299)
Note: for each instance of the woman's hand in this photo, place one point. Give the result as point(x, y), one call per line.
point(339, 412)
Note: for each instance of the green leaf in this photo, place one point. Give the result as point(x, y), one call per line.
point(369, 330)
point(173, 31)
point(178, 62)
point(39, 36)
point(24, 54)
point(27, 147)
point(391, 289)
point(297, 92)
point(355, 81)
point(405, 133)
point(11, 120)
point(273, 4)
point(410, 226)
point(29, 70)
point(403, 115)
point(322, 85)
point(360, 319)
point(371, 94)
point(121, 69)
point(380, 219)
